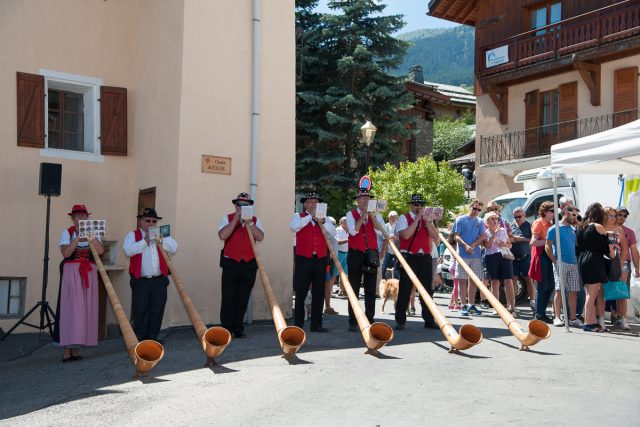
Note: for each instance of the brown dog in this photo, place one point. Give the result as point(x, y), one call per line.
point(388, 289)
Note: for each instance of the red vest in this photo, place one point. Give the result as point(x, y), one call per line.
point(135, 262)
point(421, 241)
point(310, 239)
point(357, 242)
point(237, 246)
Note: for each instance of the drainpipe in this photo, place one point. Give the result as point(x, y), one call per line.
point(255, 116)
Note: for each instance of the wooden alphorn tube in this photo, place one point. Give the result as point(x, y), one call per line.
point(144, 355)
point(375, 335)
point(214, 340)
point(469, 335)
point(291, 337)
point(538, 330)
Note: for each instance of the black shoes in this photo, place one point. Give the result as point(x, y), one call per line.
point(353, 328)
point(430, 325)
point(399, 326)
point(239, 335)
point(321, 329)
point(545, 319)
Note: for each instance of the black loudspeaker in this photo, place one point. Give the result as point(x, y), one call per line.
point(50, 179)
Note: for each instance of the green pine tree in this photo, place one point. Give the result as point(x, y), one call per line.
point(343, 80)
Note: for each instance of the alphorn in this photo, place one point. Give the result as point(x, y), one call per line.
point(375, 335)
point(291, 337)
point(214, 340)
point(144, 355)
point(538, 330)
point(469, 335)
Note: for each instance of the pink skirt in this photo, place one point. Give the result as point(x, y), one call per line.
point(78, 307)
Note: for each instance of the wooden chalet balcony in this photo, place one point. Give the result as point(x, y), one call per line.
point(587, 31)
point(536, 142)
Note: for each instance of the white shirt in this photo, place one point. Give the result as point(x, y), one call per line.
point(224, 221)
point(298, 223)
point(392, 231)
point(65, 239)
point(342, 234)
point(351, 222)
point(150, 258)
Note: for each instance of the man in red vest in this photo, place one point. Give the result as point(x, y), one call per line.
point(239, 266)
point(362, 237)
point(415, 230)
point(311, 260)
point(148, 271)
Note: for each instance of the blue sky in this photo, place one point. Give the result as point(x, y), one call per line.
point(414, 12)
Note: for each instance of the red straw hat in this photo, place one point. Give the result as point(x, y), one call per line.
point(79, 209)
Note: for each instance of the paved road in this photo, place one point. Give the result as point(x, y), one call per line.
point(572, 379)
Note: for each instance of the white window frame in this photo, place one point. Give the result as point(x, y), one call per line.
point(22, 285)
point(89, 87)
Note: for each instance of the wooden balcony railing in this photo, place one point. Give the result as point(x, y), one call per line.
point(536, 142)
point(593, 29)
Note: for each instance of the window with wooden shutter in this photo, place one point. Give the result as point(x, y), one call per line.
point(30, 91)
point(568, 113)
point(531, 123)
point(113, 120)
point(625, 101)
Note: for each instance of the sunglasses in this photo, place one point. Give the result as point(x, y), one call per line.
point(493, 209)
point(418, 204)
point(476, 209)
point(152, 221)
point(517, 216)
point(623, 215)
point(243, 204)
point(572, 213)
point(612, 216)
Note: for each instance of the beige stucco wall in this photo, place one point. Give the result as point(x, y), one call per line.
point(187, 68)
point(491, 182)
point(216, 120)
point(99, 46)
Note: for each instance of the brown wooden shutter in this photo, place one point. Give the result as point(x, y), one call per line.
point(532, 122)
point(625, 85)
point(30, 110)
point(568, 106)
point(113, 121)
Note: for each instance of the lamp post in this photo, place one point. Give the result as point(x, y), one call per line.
point(368, 133)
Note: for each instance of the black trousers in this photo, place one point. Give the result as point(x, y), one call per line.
point(238, 279)
point(355, 262)
point(309, 271)
point(422, 267)
point(148, 298)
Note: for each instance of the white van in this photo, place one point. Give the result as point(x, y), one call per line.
point(538, 188)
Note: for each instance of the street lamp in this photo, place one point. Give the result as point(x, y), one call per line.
point(368, 133)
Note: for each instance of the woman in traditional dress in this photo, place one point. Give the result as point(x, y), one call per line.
point(77, 313)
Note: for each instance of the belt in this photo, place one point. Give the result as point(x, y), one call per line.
point(151, 277)
point(412, 254)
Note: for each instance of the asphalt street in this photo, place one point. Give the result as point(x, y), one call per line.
point(576, 378)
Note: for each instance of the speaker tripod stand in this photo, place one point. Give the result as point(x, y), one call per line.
point(46, 312)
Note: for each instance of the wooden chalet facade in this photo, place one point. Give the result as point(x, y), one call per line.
point(432, 100)
point(546, 72)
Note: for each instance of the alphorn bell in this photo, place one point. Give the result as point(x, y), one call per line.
point(214, 340)
point(469, 335)
point(538, 330)
point(291, 337)
point(144, 355)
point(375, 335)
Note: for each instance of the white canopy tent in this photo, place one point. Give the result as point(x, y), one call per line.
point(615, 151)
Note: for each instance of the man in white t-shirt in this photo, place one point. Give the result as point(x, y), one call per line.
point(390, 258)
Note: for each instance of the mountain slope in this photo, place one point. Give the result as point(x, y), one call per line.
point(446, 54)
